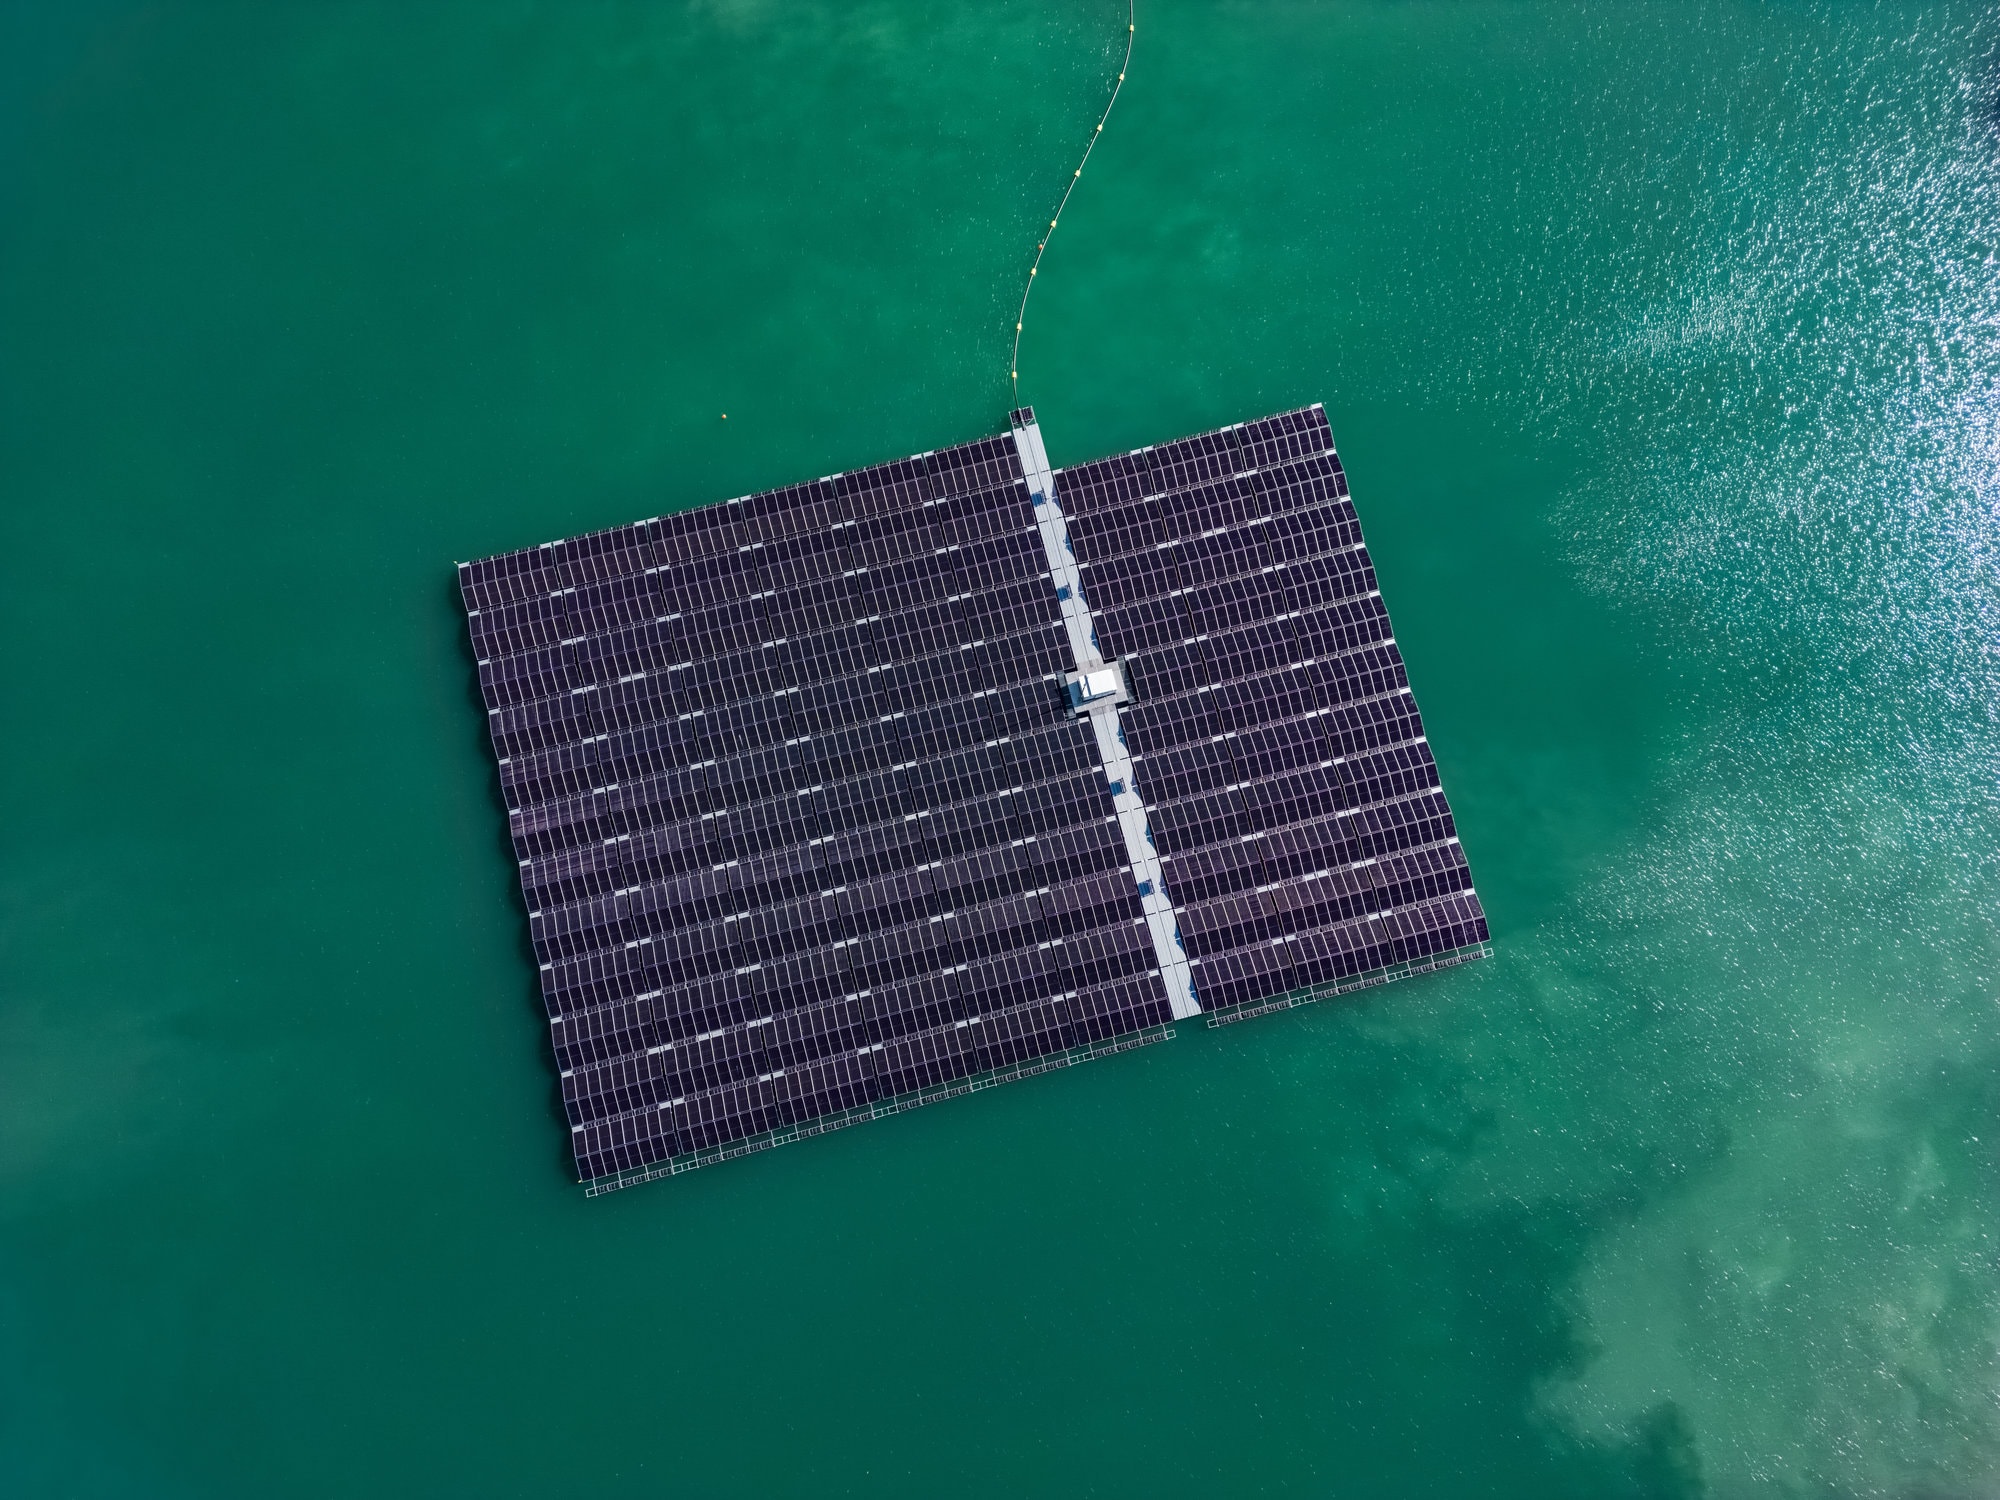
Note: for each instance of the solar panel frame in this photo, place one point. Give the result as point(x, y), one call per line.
point(807, 832)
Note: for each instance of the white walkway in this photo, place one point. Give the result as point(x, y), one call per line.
point(1103, 715)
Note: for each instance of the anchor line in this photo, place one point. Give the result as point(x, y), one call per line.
point(1041, 249)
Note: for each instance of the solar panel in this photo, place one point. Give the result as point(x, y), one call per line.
point(842, 797)
point(1288, 782)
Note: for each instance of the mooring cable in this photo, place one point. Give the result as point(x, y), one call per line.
point(1020, 318)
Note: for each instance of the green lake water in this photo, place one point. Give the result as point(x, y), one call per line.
point(1661, 344)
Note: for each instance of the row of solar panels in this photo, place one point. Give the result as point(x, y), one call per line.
point(1051, 868)
point(653, 1128)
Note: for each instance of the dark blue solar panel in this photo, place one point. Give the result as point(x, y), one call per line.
point(804, 823)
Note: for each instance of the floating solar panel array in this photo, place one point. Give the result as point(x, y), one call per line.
point(848, 796)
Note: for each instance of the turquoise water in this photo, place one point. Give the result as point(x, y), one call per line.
point(1661, 345)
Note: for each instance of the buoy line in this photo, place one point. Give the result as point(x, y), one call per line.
point(1020, 318)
